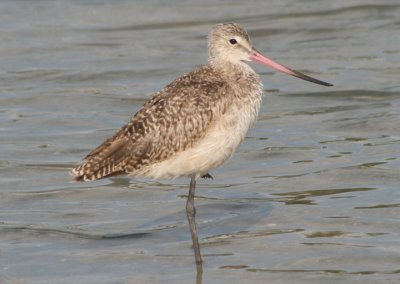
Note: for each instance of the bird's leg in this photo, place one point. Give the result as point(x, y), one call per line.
point(191, 214)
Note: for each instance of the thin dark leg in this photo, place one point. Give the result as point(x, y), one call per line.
point(191, 214)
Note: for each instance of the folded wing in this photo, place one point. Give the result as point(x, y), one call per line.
point(172, 121)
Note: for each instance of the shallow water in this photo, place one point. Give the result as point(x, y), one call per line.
point(310, 197)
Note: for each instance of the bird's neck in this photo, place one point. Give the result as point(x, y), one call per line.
point(236, 72)
point(231, 70)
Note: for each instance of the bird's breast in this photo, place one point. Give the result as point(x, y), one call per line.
point(220, 141)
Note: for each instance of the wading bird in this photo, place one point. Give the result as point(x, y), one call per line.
point(194, 124)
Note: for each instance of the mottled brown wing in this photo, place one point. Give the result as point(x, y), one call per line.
point(172, 121)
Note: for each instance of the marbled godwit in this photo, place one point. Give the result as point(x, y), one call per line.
point(194, 124)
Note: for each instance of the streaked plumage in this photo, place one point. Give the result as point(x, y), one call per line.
point(188, 128)
point(194, 124)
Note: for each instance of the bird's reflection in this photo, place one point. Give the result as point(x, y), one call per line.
point(199, 273)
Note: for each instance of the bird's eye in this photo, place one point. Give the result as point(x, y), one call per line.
point(233, 41)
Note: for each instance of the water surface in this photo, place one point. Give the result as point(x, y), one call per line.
point(310, 197)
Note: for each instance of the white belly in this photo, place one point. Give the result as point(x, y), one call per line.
point(221, 141)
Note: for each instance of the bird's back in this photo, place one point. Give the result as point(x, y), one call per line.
point(174, 120)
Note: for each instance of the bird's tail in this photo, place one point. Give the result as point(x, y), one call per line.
point(104, 161)
point(92, 170)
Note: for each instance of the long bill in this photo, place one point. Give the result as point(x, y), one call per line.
point(258, 57)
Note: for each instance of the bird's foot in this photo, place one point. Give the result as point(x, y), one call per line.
point(207, 176)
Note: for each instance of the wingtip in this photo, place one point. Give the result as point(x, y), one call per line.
point(76, 175)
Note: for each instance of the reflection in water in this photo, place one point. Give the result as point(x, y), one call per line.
point(199, 273)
